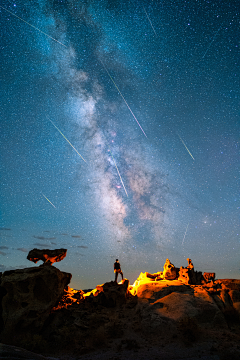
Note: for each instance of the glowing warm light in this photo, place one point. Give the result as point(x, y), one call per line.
point(70, 297)
point(145, 283)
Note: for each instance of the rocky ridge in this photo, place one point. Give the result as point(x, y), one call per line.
point(155, 315)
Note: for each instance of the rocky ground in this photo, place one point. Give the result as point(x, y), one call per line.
point(155, 319)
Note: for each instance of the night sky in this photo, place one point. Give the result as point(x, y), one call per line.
point(120, 135)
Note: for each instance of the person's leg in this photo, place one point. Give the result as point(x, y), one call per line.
point(122, 274)
point(116, 276)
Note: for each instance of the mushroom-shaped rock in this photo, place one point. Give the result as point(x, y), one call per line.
point(46, 255)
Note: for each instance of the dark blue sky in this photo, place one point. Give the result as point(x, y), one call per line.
point(147, 93)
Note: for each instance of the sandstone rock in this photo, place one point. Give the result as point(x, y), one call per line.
point(30, 294)
point(111, 294)
point(209, 276)
point(69, 297)
point(231, 284)
point(169, 271)
point(46, 255)
point(149, 290)
point(190, 264)
point(188, 276)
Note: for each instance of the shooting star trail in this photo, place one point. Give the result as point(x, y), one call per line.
point(150, 21)
point(123, 98)
point(32, 26)
point(186, 146)
point(67, 140)
point(211, 43)
point(49, 201)
point(185, 234)
point(118, 172)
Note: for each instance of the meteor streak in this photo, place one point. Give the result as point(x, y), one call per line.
point(33, 26)
point(211, 43)
point(150, 21)
point(185, 234)
point(67, 140)
point(118, 172)
point(49, 201)
point(123, 98)
point(186, 146)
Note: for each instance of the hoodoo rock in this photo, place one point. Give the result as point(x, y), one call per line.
point(169, 271)
point(189, 276)
point(46, 255)
point(28, 297)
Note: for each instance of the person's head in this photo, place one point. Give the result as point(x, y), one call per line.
point(116, 259)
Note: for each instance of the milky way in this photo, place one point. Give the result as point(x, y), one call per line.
point(147, 95)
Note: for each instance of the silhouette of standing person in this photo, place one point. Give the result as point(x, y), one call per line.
point(117, 269)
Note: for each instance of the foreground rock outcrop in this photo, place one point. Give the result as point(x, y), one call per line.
point(156, 315)
point(29, 296)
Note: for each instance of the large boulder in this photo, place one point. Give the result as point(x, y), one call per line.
point(110, 294)
point(46, 255)
point(230, 294)
point(29, 296)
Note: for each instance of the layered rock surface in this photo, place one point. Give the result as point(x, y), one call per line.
point(29, 296)
point(41, 313)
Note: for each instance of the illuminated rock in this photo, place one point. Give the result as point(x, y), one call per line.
point(46, 255)
point(30, 294)
point(209, 276)
point(69, 297)
point(169, 271)
point(110, 294)
point(190, 264)
point(189, 276)
point(230, 294)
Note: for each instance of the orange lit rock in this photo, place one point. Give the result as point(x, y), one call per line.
point(110, 294)
point(69, 297)
point(209, 276)
point(169, 271)
point(190, 264)
point(46, 255)
point(230, 294)
point(188, 276)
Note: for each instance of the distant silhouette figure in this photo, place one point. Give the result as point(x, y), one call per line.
point(117, 269)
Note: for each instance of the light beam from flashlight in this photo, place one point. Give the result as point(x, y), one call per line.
point(49, 201)
point(33, 26)
point(67, 140)
point(123, 99)
point(186, 147)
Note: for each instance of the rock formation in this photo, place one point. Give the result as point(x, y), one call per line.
point(186, 315)
point(169, 271)
point(209, 276)
point(189, 276)
point(30, 295)
point(46, 255)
